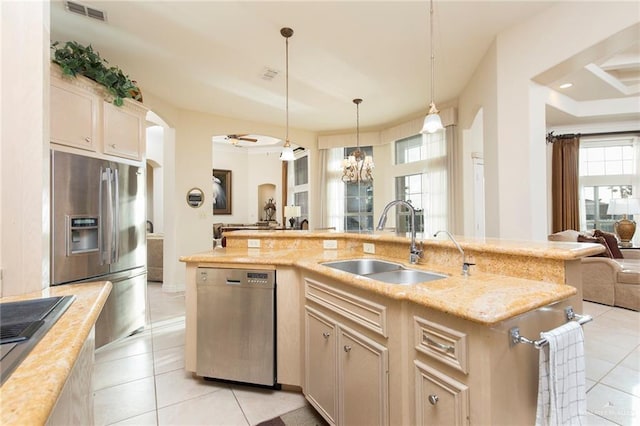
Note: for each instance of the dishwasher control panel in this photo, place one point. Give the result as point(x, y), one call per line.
point(236, 277)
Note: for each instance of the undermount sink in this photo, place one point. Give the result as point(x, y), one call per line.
point(380, 270)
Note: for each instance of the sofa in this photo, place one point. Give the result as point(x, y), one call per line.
point(611, 278)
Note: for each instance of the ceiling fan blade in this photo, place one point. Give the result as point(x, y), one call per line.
point(248, 139)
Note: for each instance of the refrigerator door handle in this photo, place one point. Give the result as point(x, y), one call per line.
point(116, 216)
point(102, 236)
point(109, 222)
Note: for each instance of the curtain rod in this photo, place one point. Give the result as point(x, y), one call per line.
point(551, 138)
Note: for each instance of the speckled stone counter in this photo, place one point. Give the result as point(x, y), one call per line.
point(510, 277)
point(30, 393)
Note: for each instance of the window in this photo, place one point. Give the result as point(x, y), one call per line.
point(608, 170)
point(298, 185)
point(422, 176)
point(358, 200)
point(409, 188)
point(348, 206)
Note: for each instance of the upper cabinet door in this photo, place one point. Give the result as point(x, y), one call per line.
point(123, 132)
point(74, 117)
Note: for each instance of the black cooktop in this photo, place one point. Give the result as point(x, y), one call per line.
point(23, 324)
point(19, 320)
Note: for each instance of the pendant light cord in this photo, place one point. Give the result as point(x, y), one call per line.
point(432, 55)
point(287, 88)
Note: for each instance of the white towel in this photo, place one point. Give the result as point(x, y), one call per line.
point(561, 389)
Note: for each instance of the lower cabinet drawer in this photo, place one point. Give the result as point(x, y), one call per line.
point(440, 399)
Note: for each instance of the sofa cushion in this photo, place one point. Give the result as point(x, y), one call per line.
point(569, 235)
point(630, 273)
point(596, 240)
point(612, 242)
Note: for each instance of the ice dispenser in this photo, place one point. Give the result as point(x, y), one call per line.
point(83, 235)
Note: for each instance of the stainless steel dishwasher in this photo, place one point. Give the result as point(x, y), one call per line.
point(236, 325)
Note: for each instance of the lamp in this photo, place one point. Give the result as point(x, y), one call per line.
point(432, 122)
point(625, 228)
point(357, 166)
point(287, 151)
point(292, 212)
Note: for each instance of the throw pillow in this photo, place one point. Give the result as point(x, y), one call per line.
point(569, 235)
point(612, 242)
point(596, 240)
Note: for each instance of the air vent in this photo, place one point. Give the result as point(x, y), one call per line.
point(269, 73)
point(90, 12)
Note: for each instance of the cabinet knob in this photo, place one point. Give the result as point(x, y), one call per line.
point(347, 348)
point(113, 145)
point(326, 335)
point(433, 399)
point(87, 139)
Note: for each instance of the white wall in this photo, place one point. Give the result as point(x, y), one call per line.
point(155, 158)
point(24, 147)
point(514, 126)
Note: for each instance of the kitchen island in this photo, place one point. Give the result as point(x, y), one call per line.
point(39, 391)
point(365, 351)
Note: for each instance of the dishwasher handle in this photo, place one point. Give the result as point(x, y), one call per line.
point(233, 282)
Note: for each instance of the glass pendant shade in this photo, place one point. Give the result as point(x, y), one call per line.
point(357, 167)
point(287, 154)
point(432, 122)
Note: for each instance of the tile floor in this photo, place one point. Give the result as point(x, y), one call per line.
point(141, 380)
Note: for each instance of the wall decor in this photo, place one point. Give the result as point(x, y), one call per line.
point(221, 191)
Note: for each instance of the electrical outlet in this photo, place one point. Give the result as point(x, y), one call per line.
point(369, 248)
point(253, 243)
point(330, 244)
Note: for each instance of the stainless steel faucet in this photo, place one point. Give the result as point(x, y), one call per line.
point(465, 265)
point(415, 253)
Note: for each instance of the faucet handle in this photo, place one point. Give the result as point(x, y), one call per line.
point(466, 268)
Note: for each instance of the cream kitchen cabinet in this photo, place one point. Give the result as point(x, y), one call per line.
point(74, 116)
point(83, 116)
point(346, 371)
point(441, 351)
point(123, 131)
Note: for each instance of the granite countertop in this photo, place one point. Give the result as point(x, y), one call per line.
point(29, 395)
point(481, 297)
point(540, 249)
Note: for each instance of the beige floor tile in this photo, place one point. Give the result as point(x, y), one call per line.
point(593, 420)
point(123, 370)
point(590, 384)
point(178, 385)
point(168, 336)
point(219, 408)
point(170, 359)
point(607, 349)
point(597, 368)
point(146, 419)
point(632, 360)
point(594, 309)
point(124, 401)
point(264, 404)
point(133, 345)
point(624, 379)
point(614, 405)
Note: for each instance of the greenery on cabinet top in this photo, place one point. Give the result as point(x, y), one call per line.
point(74, 58)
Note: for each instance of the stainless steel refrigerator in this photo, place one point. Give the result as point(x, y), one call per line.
point(98, 234)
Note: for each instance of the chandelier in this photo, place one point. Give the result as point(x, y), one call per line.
point(357, 167)
point(432, 122)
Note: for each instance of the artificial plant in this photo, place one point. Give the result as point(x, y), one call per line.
point(75, 58)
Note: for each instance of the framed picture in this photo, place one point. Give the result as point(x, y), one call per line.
point(221, 191)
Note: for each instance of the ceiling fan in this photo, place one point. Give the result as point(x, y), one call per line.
point(234, 139)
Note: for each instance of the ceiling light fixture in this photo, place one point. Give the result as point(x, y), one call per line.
point(357, 167)
point(566, 85)
point(287, 151)
point(432, 122)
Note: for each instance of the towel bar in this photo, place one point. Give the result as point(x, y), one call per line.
point(515, 337)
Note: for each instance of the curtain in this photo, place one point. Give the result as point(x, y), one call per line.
point(565, 184)
point(332, 193)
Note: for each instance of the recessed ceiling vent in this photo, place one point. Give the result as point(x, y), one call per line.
point(269, 73)
point(83, 10)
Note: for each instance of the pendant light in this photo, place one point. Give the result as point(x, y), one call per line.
point(432, 122)
point(357, 167)
point(287, 151)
